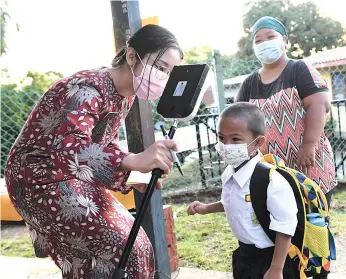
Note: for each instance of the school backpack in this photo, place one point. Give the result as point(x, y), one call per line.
point(312, 246)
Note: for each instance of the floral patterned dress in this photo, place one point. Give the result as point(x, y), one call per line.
point(60, 171)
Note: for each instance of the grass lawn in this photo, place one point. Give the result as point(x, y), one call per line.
point(21, 247)
point(204, 242)
point(338, 212)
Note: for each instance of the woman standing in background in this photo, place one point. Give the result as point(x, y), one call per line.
point(295, 100)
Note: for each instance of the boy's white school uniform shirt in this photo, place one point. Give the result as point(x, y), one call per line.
point(281, 204)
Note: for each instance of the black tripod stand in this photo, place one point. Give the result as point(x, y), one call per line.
point(120, 272)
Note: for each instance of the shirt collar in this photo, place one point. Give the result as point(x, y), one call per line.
point(245, 172)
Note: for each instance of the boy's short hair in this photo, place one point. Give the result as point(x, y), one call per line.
point(249, 113)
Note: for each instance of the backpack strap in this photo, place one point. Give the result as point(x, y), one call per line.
point(259, 183)
point(331, 245)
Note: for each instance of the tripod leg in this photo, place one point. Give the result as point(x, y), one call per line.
point(119, 274)
point(119, 271)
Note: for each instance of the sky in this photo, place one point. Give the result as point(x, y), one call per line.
point(71, 35)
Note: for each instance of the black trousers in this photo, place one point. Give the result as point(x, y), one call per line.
point(250, 262)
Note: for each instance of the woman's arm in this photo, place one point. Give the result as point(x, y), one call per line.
point(75, 154)
point(317, 106)
point(128, 163)
point(315, 96)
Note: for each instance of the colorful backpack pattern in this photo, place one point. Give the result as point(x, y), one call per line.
point(312, 247)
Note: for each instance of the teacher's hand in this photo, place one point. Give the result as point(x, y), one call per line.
point(156, 156)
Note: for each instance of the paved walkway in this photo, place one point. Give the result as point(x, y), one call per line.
point(25, 268)
point(33, 268)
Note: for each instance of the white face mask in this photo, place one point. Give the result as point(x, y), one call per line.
point(233, 154)
point(269, 52)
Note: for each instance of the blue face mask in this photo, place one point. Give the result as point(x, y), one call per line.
point(269, 52)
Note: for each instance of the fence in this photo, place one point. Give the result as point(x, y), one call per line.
point(201, 164)
point(15, 108)
point(336, 132)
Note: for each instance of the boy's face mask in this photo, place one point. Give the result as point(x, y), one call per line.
point(233, 154)
point(147, 86)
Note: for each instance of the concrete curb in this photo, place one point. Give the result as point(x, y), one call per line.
point(28, 268)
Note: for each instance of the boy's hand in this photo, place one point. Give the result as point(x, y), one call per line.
point(197, 207)
point(273, 273)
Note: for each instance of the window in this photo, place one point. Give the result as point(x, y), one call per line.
point(339, 85)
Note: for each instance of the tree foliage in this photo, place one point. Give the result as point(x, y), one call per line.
point(41, 82)
point(4, 16)
point(307, 29)
point(231, 65)
point(198, 54)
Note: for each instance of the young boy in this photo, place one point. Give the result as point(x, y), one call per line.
point(241, 130)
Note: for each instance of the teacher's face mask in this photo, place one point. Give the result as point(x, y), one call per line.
point(147, 86)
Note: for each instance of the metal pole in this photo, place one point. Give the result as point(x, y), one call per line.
point(219, 79)
point(140, 135)
point(200, 154)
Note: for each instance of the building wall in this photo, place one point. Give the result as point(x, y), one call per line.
point(328, 78)
point(229, 93)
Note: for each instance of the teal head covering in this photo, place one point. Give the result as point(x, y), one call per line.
point(270, 23)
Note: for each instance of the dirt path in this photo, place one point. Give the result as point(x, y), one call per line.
point(340, 264)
